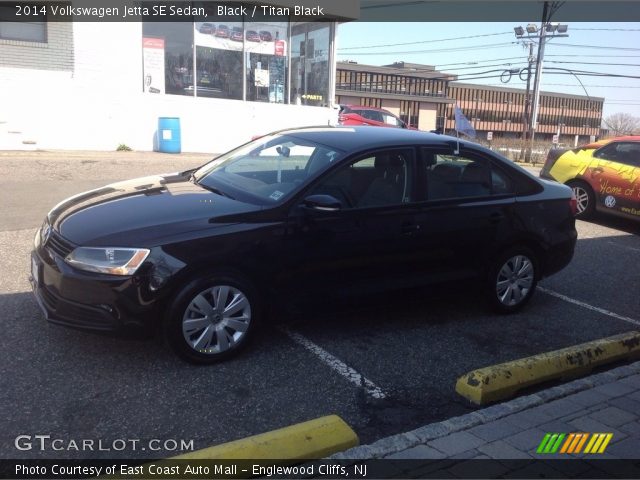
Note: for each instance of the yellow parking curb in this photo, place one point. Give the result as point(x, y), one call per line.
point(314, 439)
point(502, 381)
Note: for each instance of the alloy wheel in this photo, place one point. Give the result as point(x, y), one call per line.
point(216, 319)
point(582, 199)
point(515, 280)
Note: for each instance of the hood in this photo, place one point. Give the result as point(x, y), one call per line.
point(136, 212)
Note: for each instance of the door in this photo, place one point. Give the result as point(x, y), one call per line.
point(465, 214)
point(614, 176)
point(366, 244)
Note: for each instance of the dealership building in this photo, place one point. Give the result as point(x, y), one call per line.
point(96, 85)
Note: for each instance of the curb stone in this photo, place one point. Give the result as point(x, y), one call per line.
point(396, 443)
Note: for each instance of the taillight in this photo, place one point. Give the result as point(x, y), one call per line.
point(573, 204)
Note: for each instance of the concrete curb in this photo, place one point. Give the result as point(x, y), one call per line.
point(498, 382)
point(396, 443)
point(313, 439)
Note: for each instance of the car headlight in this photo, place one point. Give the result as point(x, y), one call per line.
point(113, 261)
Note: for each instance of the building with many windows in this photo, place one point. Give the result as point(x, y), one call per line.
point(425, 98)
point(415, 93)
point(500, 110)
point(74, 84)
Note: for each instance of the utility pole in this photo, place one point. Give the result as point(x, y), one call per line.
point(527, 102)
point(536, 82)
point(541, 37)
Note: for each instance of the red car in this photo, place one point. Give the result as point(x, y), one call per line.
point(252, 36)
point(377, 117)
point(222, 31)
point(236, 34)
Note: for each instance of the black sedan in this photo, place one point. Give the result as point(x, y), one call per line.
point(201, 255)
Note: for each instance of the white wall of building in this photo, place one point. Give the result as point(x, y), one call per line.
point(84, 90)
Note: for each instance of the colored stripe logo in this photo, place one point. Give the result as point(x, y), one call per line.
point(574, 443)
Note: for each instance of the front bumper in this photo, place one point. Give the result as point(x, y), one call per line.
point(88, 301)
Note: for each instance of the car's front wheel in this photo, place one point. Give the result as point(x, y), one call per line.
point(585, 199)
point(512, 280)
point(212, 319)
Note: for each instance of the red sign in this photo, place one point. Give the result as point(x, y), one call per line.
point(148, 42)
point(280, 47)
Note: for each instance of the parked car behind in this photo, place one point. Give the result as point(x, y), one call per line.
point(604, 175)
point(222, 31)
point(236, 34)
point(207, 28)
point(202, 255)
point(368, 116)
point(252, 36)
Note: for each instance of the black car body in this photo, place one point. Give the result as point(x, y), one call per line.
point(302, 212)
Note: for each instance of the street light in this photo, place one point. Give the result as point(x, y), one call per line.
point(519, 31)
point(540, 37)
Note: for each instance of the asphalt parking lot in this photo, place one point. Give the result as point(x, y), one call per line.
point(385, 365)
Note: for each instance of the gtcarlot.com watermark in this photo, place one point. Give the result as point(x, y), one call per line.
point(44, 443)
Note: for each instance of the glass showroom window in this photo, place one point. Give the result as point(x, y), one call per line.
point(219, 59)
point(310, 72)
point(35, 30)
point(168, 57)
point(266, 61)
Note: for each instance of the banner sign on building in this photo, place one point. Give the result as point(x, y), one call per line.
point(153, 64)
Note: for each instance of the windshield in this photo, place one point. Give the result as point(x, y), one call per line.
point(268, 170)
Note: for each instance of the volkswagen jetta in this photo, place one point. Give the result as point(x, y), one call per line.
point(201, 254)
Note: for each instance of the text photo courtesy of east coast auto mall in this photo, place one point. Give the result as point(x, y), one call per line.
point(303, 239)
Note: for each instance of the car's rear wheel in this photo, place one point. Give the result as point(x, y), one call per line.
point(512, 280)
point(585, 198)
point(212, 319)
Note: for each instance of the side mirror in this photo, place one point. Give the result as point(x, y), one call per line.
point(283, 151)
point(323, 203)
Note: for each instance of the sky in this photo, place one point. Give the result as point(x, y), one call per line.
point(488, 49)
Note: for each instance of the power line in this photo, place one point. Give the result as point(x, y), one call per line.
point(596, 63)
point(547, 55)
point(441, 50)
point(425, 41)
point(572, 85)
point(608, 29)
point(599, 47)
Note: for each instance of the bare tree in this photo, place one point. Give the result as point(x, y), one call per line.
point(622, 124)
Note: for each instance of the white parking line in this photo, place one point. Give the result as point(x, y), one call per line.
point(343, 369)
point(590, 307)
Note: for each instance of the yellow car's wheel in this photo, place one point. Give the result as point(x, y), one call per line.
point(585, 198)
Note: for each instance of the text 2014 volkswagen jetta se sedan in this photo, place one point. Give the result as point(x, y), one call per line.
point(318, 211)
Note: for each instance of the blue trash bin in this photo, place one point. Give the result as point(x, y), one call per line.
point(169, 140)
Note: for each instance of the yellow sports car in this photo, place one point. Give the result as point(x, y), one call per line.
point(604, 176)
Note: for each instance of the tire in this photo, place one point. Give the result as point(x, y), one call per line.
point(586, 199)
point(212, 319)
point(512, 280)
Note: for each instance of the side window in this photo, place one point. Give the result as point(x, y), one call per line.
point(454, 176)
point(379, 179)
point(629, 153)
point(390, 120)
point(372, 115)
point(608, 152)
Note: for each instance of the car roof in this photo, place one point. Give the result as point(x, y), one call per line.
point(600, 143)
point(364, 107)
point(350, 138)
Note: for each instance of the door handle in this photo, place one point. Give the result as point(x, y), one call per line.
point(597, 170)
